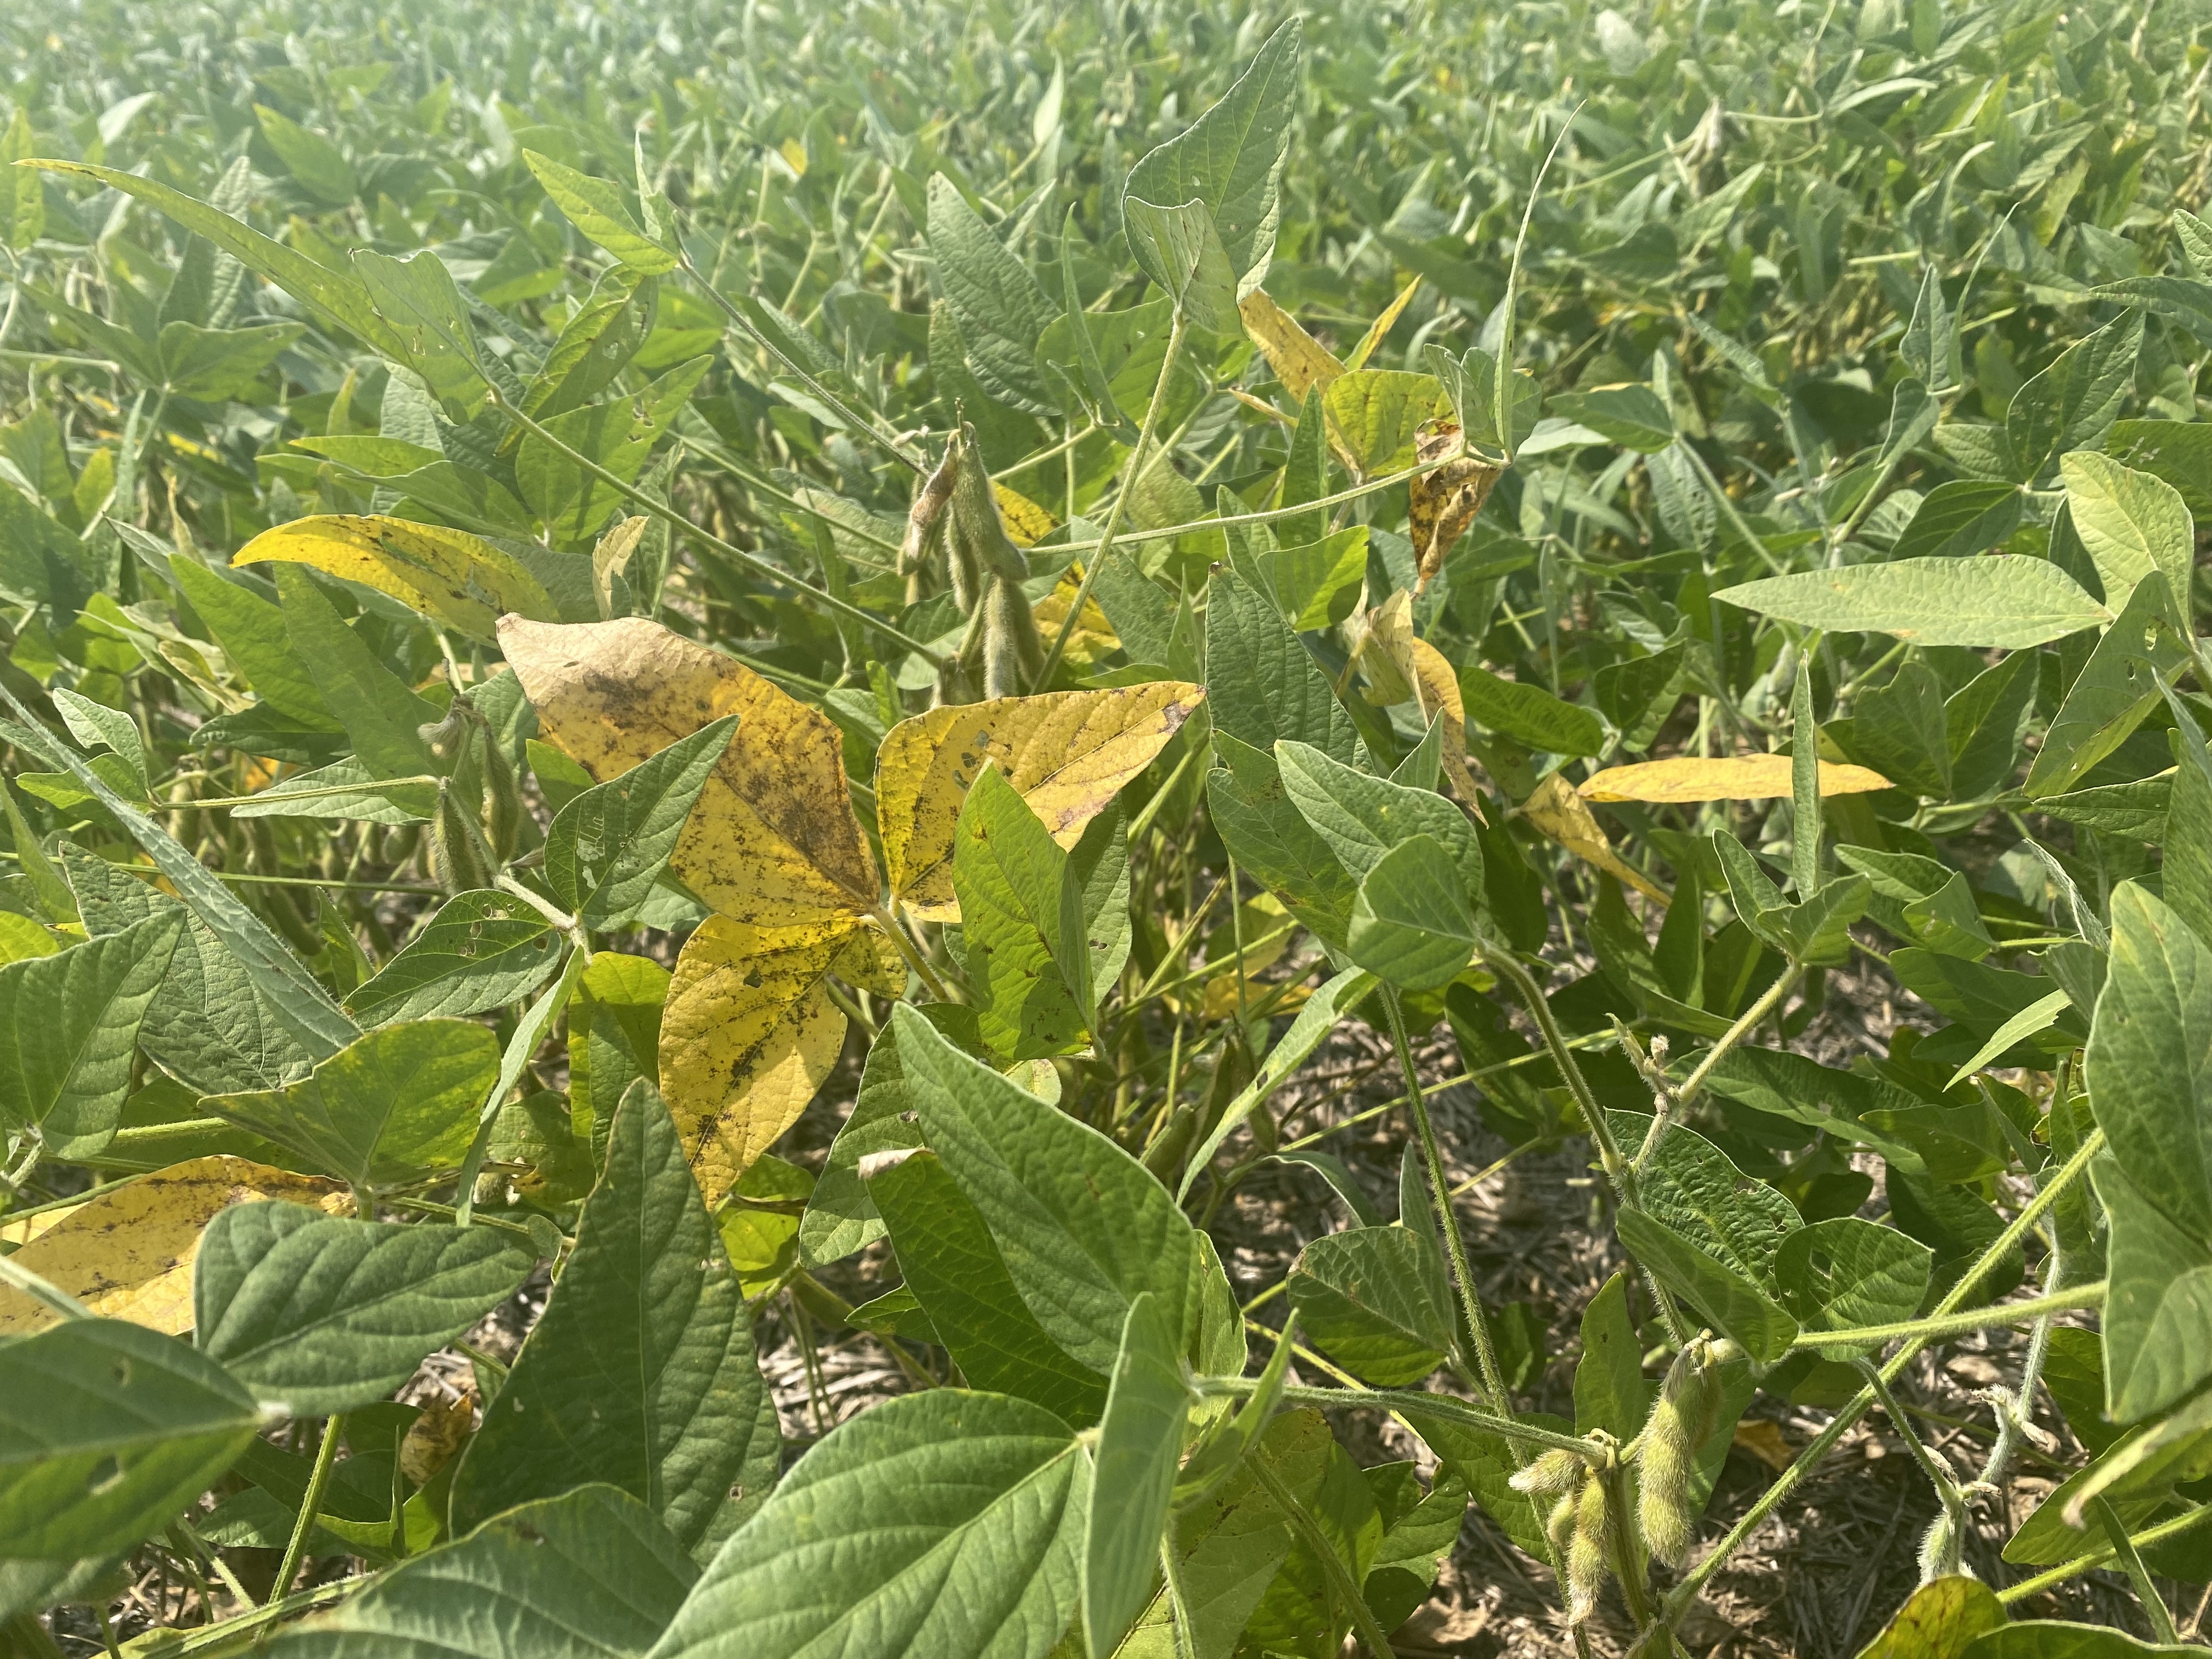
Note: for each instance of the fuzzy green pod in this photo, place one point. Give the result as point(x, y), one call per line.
point(1552, 1476)
point(502, 808)
point(456, 861)
point(1680, 1423)
point(1012, 653)
point(1586, 1565)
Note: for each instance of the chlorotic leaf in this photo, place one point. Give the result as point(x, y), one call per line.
point(773, 841)
point(1739, 777)
point(449, 575)
point(129, 1253)
point(1066, 753)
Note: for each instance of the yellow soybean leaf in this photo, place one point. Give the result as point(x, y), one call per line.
point(1379, 331)
point(1300, 362)
point(1438, 686)
point(1066, 753)
point(773, 840)
point(447, 575)
point(1375, 414)
point(128, 1254)
point(751, 1032)
point(1094, 636)
point(1562, 815)
point(1738, 777)
point(1027, 524)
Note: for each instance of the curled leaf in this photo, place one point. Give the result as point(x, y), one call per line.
point(1445, 502)
point(1556, 809)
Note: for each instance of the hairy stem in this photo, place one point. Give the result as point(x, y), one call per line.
point(1443, 1406)
point(1958, 1324)
point(1470, 1300)
point(2131, 1562)
point(1333, 1569)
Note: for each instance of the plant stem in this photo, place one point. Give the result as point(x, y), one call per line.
point(1129, 482)
point(1470, 1301)
point(1958, 1324)
point(1677, 1599)
point(310, 1506)
point(906, 948)
point(738, 555)
point(1340, 1581)
point(1939, 1476)
point(2131, 1562)
point(1769, 1000)
point(1412, 1399)
point(1266, 515)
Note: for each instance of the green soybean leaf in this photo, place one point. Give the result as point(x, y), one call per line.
point(316, 163)
point(955, 1273)
point(107, 1431)
point(1610, 1392)
point(1140, 1444)
point(2115, 690)
point(381, 714)
point(608, 845)
point(596, 208)
point(1847, 1272)
point(1231, 159)
point(868, 1544)
point(1634, 416)
point(1271, 841)
point(1022, 922)
point(1362, 817)
point(1529, 714)
point(617, 435)
point(841, 1215)
point(320, 1314)
point(1960, 519)
point(345, 789)
point(483, 950)
point(2004, 601)
point(1179, 247)
point(1375, 1299)
point(396, 1105)
point(336, 297)
point(1736, 1306)
point(1411, 924)
point(1082, 1226)
point(208, 1025)
point(2051, 1638)
point(2151, 1086)
point(68, 1026)
point(641, 1372)
point(1317, 583)
point(2132, 523)
point(250, 630)
point(1375, 414)
point(417, 301)
point(2072, 403)
point(592, 1574)
point(1261, 685)
point(1002, 310)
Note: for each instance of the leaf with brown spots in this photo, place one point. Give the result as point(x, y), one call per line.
point(128, 1254)
point(773, 841)
point(448, 575)
point(1444, 502)
point(1066, 753)
point(1437, 687)
point(1941, 1621)
point(750, 1032)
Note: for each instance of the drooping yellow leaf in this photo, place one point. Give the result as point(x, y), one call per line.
point(1438, 687)
point(447, 575)
point(773, 840)
point(1027, 524)
point(1067, 754)
point(1385, 651)
point(432, 1438)
point(1562, 815)
point(128, 1254)
point(1737, 777)
point(1300, 362)
point(1094, 636)
point(1379, 329)
point(751, 1032)
point(794, 154)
